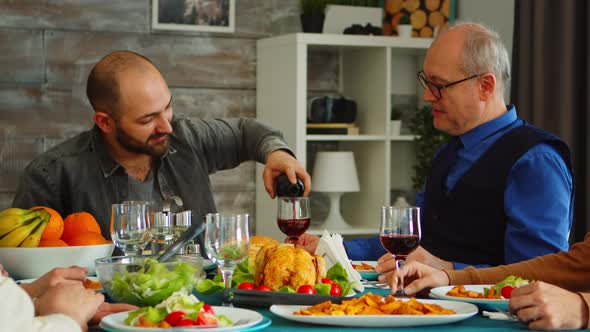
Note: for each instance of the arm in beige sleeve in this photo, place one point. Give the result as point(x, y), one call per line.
point(18, 314)
point(566, 269)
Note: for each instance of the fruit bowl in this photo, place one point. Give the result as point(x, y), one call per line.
point(27, 263)
point(142, 281)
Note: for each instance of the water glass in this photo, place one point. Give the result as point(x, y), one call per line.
point(227, 238)
point(130, 226)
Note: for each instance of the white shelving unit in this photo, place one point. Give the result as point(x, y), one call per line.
point(371, 69)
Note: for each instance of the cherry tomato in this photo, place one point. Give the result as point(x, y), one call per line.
point(506, 291)
point(306, 289)
point(327, 281)
point(335, 290)
point(185, 322)
point(207, 308)
point(174, 317)
point(246, 285)
point(263, 288)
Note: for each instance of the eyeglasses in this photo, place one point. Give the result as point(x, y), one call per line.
point(435, 88)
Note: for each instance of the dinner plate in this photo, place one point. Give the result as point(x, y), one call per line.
point(486, 304)
point(367, 274)
point(28, 281)
point(116, 322)
point(463, 311)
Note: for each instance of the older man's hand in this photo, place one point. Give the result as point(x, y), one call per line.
point(422, 276)
point(278, 162)
point(547, 307)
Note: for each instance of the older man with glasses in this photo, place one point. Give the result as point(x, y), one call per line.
point(501, 191)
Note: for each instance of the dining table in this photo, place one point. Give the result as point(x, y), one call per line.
point(473, 324)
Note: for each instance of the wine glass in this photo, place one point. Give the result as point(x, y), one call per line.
point(227, 238)
point(293, 216)
point(400, 231)
point(130, 226)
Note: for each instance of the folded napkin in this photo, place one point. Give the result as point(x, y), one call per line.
point(332, 249)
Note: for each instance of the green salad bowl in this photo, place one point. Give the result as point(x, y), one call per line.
point(143, 281)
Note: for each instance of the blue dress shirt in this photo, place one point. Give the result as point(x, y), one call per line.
point(538, 198)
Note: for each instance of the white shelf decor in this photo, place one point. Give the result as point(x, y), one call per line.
point(371, 69)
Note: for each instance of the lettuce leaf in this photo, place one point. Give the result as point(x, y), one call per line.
point(512, 280)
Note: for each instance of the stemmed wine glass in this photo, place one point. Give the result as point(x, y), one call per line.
point(400, 231)
point(130, 226)
point(227, 238)
point(293, 216)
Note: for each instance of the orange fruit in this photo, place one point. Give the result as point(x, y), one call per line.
point(79, 222)
point(87, 238)
point(55, 226)
point(52, 243)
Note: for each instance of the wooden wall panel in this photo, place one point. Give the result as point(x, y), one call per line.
point(254, 18)
point(100, 15)
point(214, 103)
point(22, 56)
point(185, 61)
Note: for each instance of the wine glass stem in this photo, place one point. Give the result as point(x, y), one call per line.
point(292, 239)
point(227, 274)
point(399, 263)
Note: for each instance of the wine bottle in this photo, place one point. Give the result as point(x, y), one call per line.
point(284, 187)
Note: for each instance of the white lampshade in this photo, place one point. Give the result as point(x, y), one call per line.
point(335, 171)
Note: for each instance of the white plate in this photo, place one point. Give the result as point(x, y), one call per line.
point(116, 322)
point(367, 274)
point(464, 311)
point(28, 281)
point(487, 304)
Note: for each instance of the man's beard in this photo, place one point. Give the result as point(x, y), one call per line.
point(155, 150)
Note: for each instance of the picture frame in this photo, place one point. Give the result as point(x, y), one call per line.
point(425, 16)
point(194, 15)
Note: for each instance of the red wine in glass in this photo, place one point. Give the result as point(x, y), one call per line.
point(400, 245)
point(293, 227)
point(293, 216)
point(400, 230)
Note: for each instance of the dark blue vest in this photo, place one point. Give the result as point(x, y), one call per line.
point(468, 223)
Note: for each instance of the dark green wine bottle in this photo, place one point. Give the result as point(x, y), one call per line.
point(284, 188)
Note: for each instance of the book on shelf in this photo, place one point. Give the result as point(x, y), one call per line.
point(332, 129)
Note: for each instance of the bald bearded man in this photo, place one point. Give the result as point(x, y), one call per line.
point(138, 149)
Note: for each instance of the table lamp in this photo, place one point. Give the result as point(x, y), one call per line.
point(334, 173)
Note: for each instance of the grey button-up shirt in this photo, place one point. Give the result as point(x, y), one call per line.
point(79, 174)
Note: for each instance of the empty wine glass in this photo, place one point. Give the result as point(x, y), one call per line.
point(130, 226)
point(227, 238)
point(293, 216)
point(400, 231)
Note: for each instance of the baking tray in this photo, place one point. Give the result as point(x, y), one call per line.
point(242, 297)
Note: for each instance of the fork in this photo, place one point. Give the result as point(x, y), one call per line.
point(507, 314)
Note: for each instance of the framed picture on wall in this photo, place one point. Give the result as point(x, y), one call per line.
point(194, 15)
point(425, 16)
